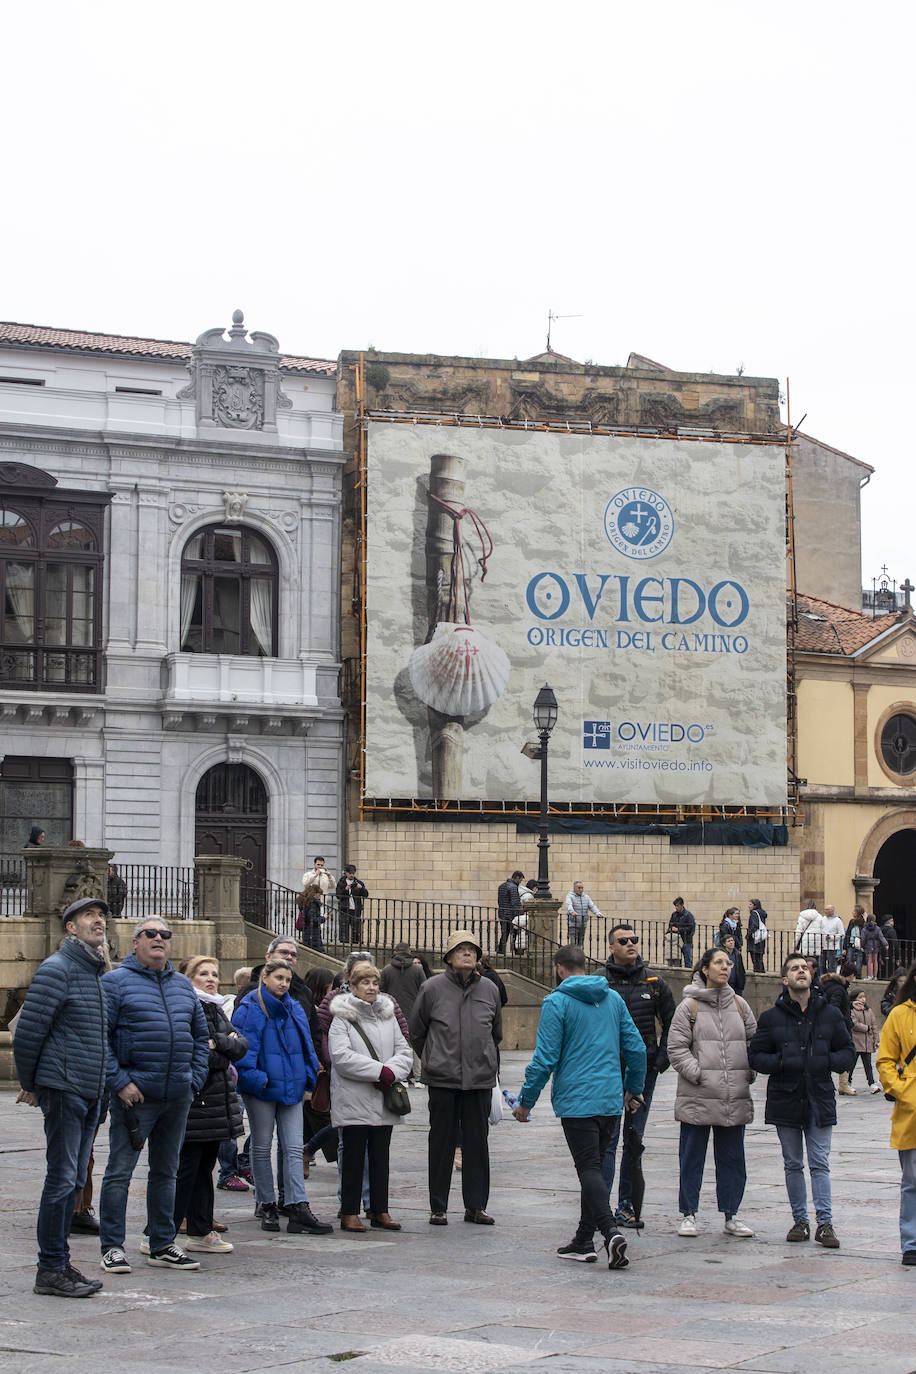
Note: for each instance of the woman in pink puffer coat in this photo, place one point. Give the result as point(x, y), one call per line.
point(707, 1047)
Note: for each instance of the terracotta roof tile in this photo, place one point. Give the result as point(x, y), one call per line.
point(126, 345)
point(826, 628)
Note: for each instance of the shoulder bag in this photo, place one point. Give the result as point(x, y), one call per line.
point(396, 1098)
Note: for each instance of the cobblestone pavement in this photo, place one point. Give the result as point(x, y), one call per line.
point(475, 1298)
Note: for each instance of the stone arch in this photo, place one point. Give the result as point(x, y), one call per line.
point(903, 818)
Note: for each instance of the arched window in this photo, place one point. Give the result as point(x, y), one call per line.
point(228, 593)
point(50, 594)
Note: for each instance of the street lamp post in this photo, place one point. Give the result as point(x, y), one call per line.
point(545, 718)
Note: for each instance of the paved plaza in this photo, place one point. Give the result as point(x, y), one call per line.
point(475, 1298)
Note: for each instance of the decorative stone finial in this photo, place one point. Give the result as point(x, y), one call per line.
point(238, 317)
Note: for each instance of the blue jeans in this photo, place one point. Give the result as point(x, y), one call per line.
point(70, 1123)
point(731, 1173)
point(227, 1157)
point(687, 946)
point(262, 1118)
point(625, 1190)
point(793, 1141)
point(907, 1200)
point(162, 1125)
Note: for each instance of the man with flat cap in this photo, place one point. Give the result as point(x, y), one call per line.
point(59, 1049)
point(455, 1028)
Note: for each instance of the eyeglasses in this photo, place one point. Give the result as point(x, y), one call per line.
point(155, 934)
point(627, 939)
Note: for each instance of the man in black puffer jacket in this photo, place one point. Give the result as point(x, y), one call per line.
point(800, 1042)
point(650, 1002)
point(59, 1049)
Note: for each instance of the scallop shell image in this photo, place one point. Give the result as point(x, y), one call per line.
point(460, 671)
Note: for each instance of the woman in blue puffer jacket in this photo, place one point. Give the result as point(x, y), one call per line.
point(279, 1068)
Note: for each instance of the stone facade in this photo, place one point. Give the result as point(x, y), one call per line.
point(634, 876)
point(645, 395)
point(856, 680)
point(230, 436)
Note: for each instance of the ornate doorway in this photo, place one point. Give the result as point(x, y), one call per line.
point(231, 818)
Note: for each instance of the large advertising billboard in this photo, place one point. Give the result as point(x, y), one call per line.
point(642, 578)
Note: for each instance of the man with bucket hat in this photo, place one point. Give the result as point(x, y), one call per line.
point(59, 1049)
point(455, 1028)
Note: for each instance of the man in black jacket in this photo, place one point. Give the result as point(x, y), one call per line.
point(800, 1042)
point(59, 1049)
point(650, 1002)
point(508, 904)
point(351, 893)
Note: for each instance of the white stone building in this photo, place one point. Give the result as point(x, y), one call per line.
point(169, 597)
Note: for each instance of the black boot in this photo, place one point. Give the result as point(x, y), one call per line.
point(303, 1219)
point(270, 1217)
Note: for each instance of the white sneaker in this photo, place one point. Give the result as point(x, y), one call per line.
point(211, 1244)
point(688, 1226)
point(875, 1088)
point(144, 1245)
point(734, 1226)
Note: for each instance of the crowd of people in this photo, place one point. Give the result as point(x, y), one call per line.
point(173, 1062)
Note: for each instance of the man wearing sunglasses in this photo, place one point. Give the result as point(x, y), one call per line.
point(650, 1002)
point(157, 1061)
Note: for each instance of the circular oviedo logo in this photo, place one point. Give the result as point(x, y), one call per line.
point(639, 523)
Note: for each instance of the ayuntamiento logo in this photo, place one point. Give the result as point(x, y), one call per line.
point(639, 523)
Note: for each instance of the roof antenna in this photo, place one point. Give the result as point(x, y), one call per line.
point(550, 319)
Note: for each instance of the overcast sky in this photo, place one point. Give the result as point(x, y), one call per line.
point(712, 184)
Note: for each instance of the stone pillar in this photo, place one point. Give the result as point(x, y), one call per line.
point(55, 876)
point(219, 878)
point(865, 890)
point(544, 938)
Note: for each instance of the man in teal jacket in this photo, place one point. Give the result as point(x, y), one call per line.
point(584, 1032)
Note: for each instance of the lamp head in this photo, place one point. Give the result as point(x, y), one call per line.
point(545, 710)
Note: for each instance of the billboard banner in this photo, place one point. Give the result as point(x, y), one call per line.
point(642, 578)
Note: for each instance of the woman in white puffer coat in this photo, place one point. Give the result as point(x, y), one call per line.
point(358, 1082)
point(707, 1046)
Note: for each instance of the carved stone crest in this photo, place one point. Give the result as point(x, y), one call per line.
point(235, 382)
point(238, 397)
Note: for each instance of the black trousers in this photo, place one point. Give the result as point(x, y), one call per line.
point(194, 1186)
point(866, 1065)
point(358, 1142)
point(450, 1109)
point(588, 1138)
point(505, 931)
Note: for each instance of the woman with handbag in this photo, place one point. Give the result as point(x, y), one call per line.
point(370, 1058)
point(274, 1075)
point(896, 1067)
point(215, 1114)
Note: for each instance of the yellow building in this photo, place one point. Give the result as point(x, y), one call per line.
point(856, 682)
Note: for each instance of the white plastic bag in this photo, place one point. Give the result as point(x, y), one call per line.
point(496, 1106)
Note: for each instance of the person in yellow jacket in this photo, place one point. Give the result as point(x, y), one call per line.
point(896, 1065)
